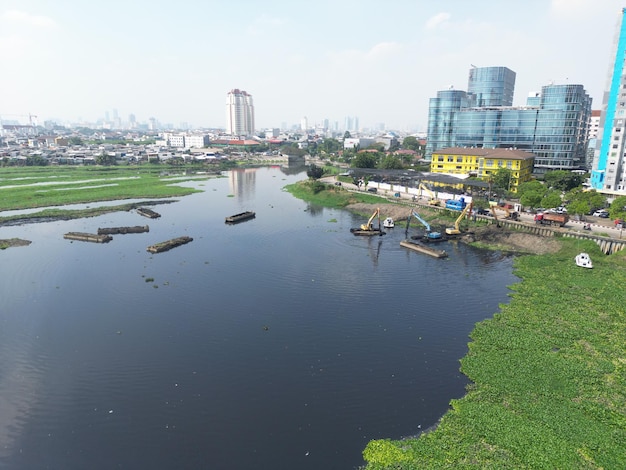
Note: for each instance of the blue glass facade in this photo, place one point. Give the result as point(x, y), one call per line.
point(561, 133)
point(553, 126)
point(496, 128)
point(441, 114)
point(491, 86)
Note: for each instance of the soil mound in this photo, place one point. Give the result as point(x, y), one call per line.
point(492, 235)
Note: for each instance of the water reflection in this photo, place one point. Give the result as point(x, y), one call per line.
point(112, 356)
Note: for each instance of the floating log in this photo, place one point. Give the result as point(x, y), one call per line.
point(123, 230)
point(148, 213)
point(424, 249)
point(88, 237)
point(169, 244)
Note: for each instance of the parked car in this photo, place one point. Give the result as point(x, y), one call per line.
point(602, 214)
point(372, 190)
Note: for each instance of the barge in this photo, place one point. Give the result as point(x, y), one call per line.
point(148, 213)
point(424, 249)
point(247, 215)
point(169, 244)
point(88, 237)
point(367, 233)
point(123, 230)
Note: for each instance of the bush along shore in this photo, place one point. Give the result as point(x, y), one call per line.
point(548, 376)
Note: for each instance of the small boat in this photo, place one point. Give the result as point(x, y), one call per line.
point(583, 260)
point(233, 219)
point(388, 223)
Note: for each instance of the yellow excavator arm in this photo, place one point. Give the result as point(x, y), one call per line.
point(369, 222)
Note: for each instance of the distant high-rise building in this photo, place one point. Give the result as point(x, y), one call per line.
point(239, 113)
point(304, 124)
point(609, 164)
point(553, 124)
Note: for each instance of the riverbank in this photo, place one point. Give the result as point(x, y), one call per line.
point(547, 371)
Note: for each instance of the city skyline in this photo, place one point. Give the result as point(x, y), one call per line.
point(71, 62)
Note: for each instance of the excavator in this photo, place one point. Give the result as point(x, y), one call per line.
point(430, 236)
point(433, 201)
point(455, 230)
point(369, 229)
point(509, 214)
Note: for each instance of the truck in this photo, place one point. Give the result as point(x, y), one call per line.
point(551, 218)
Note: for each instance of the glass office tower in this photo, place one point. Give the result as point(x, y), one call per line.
point(496, 128)
point(441, 113)
point(562, 122)
point(491, 86)
point(553, 125)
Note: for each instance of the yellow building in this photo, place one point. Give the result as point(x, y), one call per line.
point(483, 162)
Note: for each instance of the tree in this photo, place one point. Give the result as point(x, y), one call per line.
point(105, 159)
point(365, 160)
point(347, 135)
point(551, 199)
point(293, 150)
point(330, 145)
point(563, 180)
point(584, 202)
point(390, 163)
point(411, 143)
point(36, 160)
point(618, 208)
point(531, 199)
point(531, 186)
point(579, 207)
point(502, 179)
point(315, 172)
point(75, 141)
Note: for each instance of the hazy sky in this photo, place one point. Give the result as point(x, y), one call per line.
point(381, 61)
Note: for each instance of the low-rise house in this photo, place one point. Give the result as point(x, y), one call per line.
point(483, 163)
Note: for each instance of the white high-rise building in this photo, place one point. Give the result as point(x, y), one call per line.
point(239, 113)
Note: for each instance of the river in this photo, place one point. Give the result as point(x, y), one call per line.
point(282, 342)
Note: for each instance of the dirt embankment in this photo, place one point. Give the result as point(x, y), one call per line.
point(492, 235)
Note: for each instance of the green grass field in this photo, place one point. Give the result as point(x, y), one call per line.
point(33, 187)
